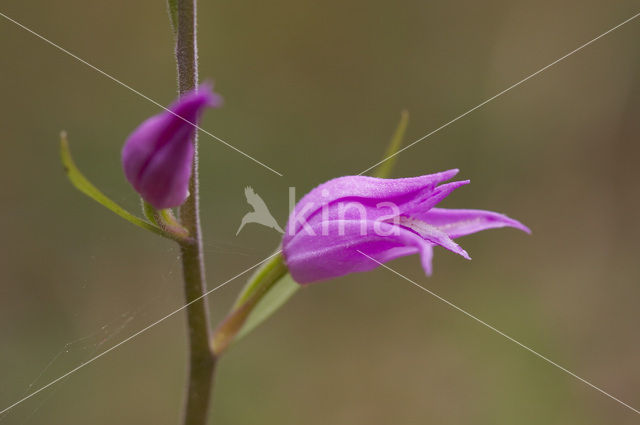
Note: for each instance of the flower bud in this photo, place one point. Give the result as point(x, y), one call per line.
point(157, 157)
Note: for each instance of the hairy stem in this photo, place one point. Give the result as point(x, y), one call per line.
point(202, 361)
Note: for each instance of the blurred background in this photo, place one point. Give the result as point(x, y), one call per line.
point(314, 90)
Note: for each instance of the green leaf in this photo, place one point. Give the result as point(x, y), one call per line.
point(385, 169)
point(172, 8)
point(85, 186)
point(272, 301)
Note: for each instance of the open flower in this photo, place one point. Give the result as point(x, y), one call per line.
point(333, 228)
point(157, 157)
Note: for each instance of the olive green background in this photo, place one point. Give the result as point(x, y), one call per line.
point(314, 90)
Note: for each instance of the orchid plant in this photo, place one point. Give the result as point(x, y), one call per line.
point(347, 225)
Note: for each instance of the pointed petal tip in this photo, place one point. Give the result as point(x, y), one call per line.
point(213, 99)
point(524, 229)
point(454, 185)
point(449, 174)
point(199, 97)
point(205, 87)
point(507, 221)
point(447, 188)
point(517, 225)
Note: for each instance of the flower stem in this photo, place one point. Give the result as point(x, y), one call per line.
point(202, 361)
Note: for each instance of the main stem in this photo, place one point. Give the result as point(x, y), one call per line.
point(202, 361)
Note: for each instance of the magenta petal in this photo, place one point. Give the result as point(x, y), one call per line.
point(311, 258)
point(168, 189)
point(430, 197)
point(457, 223)
point(157, 157)
point(368, 191)
point(433, 235)
point(351, 208)
point(373, 187)
point(426, 257)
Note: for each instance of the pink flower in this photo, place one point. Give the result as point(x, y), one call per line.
point(332, 226)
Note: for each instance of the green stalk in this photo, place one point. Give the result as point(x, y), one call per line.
point(255, 290)
point(202, 361)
